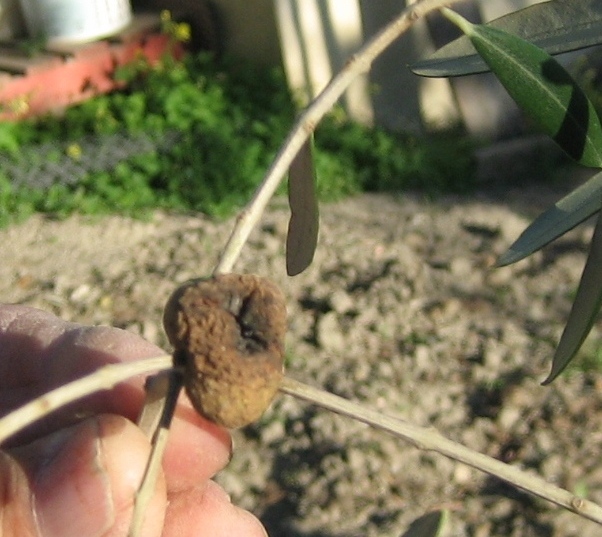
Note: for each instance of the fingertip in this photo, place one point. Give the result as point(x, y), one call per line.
point(206, 510)
point(197, 449)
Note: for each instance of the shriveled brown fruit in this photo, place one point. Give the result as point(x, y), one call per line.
point(228, 333)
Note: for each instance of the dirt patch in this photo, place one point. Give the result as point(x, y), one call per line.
point(401, 310)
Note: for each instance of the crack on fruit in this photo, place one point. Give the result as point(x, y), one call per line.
point(251, 340)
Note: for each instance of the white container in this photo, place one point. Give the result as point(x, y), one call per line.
point(68, 22)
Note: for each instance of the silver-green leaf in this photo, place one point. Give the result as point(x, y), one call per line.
point(585, 307)
point(557, 26)
point(563, 216)
point(303, 226)
point(429, 525)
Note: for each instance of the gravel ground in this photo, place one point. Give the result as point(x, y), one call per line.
point(401, 311)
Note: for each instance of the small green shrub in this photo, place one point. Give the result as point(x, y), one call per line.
point(226, 120)
point(382, 161)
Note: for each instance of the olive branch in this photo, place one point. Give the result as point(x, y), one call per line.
point(163, 388)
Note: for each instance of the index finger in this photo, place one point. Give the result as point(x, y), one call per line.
point(39, 352)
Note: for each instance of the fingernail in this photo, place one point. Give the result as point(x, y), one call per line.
point(72, 492)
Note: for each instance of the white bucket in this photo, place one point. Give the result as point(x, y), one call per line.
point(75, 21)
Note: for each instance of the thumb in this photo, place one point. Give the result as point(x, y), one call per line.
point(78, 481)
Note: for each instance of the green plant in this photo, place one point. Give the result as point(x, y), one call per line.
point(201, 115)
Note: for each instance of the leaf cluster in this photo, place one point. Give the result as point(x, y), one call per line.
point(551, 97)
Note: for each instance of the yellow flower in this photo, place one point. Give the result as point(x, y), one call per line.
point(19, 106)
point(179, 31)
point(74, 151)
point(182, 32)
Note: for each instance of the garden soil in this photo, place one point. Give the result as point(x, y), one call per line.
point(401, 310)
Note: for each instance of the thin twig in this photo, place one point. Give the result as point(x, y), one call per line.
point(359, 63)
point(430, 439)
point(162, 392)
point(102, 379)
point(156, 389)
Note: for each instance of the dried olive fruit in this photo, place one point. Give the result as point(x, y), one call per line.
point(228, 336)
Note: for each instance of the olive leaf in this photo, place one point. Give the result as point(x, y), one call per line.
point(557, 26)
point(585, 307)
point(303, 226)
point(546, 92)
point(563, 216)
point(428, 525)
point(542, 88)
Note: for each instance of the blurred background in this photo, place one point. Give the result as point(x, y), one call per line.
point(312, 39)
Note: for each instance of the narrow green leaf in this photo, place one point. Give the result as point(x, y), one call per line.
point(429, 525)
point(563, 216)
point(585, 307)
point(558, 26)
point(541, 87)
point(303, 226)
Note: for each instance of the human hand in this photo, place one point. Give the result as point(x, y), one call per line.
point(76, 471)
